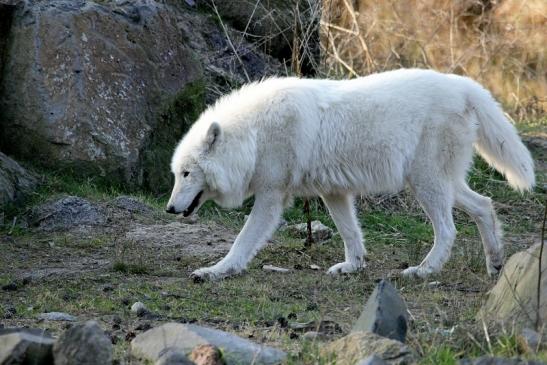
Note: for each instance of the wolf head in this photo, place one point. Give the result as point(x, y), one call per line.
point(191, 188)
point(213, 161)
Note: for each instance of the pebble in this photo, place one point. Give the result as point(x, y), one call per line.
point(57, 316)
point(139, 309)
point(274, 269)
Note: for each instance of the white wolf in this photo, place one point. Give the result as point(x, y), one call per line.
point(285, 137)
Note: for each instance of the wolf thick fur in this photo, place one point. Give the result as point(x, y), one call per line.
point(285, 137)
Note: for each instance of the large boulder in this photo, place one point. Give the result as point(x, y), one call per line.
point(83, 82)
point(152, 344)
point(513, 299)
point(15, 181)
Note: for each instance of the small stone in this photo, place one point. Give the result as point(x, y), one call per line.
point(84, 344)
point(108, 288)
point(206, 355)
point(385, 313)
point(10, 286)
point(372, 360)
point(22, 346)
point(315, 267)
point(313, 335)
point(173, 357)
point(139, 309)
point(274, 269)
point(529, 341)
point(57, 316)
point(320, 232)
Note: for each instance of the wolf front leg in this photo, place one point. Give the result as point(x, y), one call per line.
point(263, 220)
point(343, 213)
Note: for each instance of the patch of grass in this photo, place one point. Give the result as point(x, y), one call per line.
point(136, 269)
point(441, 355)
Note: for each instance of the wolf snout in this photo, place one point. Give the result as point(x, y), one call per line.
point(170, 209)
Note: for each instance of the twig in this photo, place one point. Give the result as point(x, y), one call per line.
point(230, 41)
point(540, 271)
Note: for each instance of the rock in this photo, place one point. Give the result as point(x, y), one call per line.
point(313, 335)
point(100, 74)
point(529, 341)
point(115, 83)
point(57, 316)
point(315, 267)
point(359, 345)
point(372, 360)
point(83, 344)
point(139, 309)
point(15, 181)
point(23, 347)
point(66, 213)
point(513, 299)
point(185, 337)
point(385, 313)
point(10, 286)
point(320, 232)
point(486, 360)
point(173, 357)
point(206, 355)
point(131, 205)
point(275, 269)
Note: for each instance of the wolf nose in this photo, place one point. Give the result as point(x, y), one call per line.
point(171, 209)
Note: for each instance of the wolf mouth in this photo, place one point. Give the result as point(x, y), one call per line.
point(193, 205)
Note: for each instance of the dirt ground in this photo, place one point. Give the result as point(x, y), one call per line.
point(96, 271)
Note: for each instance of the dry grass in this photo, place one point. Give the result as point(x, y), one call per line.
point(499, 43)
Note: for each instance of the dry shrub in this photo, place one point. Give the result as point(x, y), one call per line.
point(501, 44)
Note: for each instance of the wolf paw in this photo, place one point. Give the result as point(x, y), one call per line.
point(420, 271)
point(213, 273)
point(344, 268)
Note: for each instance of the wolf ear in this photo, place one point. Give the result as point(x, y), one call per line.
point(213, 135)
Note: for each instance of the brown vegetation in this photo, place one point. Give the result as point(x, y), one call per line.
point(501, 44)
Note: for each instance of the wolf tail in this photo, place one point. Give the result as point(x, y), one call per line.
point(498, 142)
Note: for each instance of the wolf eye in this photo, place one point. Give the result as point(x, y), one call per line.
point(185, 173)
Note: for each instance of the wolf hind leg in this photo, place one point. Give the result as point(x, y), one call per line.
point(480, 209)
point(436, 198)
point(260, 226)
point(343, 213)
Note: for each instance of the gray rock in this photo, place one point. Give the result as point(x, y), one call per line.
point(486, 360)
point(115, 83)
point(320, 232)
point(173, 357)
point(83, 344)
point(100, 75)
point(31, 331)
point(184, 337)
point(15, 181)
point(57, 316)
point(385, 313)
point(24, 347)
point(372, 360)
point(66, 213)
point(531, 341)
point(359, 345)
point(131, 205)
point(139, 309)
point(513, 299)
